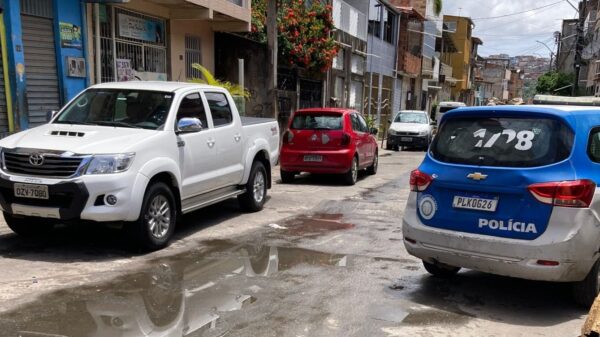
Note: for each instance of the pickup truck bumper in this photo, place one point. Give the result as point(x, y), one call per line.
point(81, 198)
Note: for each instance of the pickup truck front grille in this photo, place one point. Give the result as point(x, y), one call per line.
point(51, 165)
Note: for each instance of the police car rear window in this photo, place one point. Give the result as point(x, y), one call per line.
point(508, 142)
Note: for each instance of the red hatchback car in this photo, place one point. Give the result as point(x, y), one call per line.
point(328, 140)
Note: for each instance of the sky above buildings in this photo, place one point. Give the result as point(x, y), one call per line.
point(513, 26)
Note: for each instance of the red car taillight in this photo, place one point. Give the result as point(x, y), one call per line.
point(419, 181)
point(346, 138)
point(288, 136)
point(576, 193)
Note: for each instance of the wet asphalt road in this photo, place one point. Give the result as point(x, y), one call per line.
point(321, 260)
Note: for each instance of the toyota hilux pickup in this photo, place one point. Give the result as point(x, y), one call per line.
point(139, 154)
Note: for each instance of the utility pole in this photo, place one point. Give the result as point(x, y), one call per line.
point(272, 55)
point(579, 45)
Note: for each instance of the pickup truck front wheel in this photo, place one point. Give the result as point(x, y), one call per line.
point(253, 200)
point(28, 226)
point(156, 224)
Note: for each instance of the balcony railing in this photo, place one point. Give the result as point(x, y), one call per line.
point(446, 70)
point(349, 19)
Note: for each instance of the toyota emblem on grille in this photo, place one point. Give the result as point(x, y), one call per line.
point(36, 159)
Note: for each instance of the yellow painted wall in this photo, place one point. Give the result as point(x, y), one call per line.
point(461, 59)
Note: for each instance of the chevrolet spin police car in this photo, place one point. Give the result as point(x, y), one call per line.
point(511, 191)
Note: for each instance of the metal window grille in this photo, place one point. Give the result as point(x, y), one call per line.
point(192, 55)
point(145, 56)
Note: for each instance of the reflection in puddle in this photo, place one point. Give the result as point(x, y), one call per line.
point(315, 224)
point(176, 296)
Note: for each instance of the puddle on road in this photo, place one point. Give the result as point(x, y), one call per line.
point(315, 224)
point(176, 296)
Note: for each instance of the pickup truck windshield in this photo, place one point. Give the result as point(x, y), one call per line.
point(119, 107)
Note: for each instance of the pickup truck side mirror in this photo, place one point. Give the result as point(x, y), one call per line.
point(374, 131)
point(50, 115)
point(189, 125)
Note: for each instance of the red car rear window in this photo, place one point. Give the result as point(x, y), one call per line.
point(317, 122)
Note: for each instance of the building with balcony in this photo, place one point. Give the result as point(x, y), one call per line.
point(346, 79)
point(382, 45)
point(409, 63)
point(460, 31)
point(158, 39)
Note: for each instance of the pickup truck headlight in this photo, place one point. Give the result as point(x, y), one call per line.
point(110, 163)
point(423, 133)
point(392, 132)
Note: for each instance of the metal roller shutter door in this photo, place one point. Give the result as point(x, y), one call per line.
point(40, 68)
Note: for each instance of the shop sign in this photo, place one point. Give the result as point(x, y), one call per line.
point(70, 35)
point(76, 67)
point(124, 70)
point(141, 29)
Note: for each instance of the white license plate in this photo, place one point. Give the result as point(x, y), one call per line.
point(406, 139)
point(31, 191)
point(313, 158)
point(480, 204)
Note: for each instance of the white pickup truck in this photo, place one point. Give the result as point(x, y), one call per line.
point(138, 153)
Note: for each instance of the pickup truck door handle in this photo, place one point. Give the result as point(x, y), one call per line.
point(210, 142)
point(237, 137)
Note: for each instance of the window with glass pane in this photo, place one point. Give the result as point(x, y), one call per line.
point(338, 60)
point(219, 108)
point(357, 64)
point(192, 107)
point(375, 18)
point(389, 22)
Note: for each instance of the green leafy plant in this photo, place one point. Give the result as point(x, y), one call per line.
point(437, 7)
point(209, 78)
point(304, 32)
point(555, 83)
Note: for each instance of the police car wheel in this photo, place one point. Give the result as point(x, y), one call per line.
point(585, 291)
point(440, 269)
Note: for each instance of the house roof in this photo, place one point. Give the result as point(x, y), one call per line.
point(412, 12)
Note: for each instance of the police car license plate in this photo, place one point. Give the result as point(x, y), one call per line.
point(31, 191)
point(406, 139)
point(313, 158)
point(480, 204)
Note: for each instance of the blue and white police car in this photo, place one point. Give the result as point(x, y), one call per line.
point(511, 191)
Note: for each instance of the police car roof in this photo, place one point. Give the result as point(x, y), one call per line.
point(568, 113)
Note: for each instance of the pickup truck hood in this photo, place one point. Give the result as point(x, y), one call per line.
point(84, 139)
point(409, 127)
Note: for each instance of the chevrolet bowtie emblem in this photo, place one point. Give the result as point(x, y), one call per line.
point(477, 176)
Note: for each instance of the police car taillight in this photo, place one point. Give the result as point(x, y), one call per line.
point(576, 193)
point(419, 181)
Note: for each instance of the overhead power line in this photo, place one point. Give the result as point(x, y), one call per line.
point(519, 13)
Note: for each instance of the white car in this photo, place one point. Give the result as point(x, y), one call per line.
point(410, 128)
point(444, 107)
point(142, 153)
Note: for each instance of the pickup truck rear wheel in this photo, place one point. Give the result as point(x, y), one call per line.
point(28, 226)
point(253, 200)
point(156, 224)
point(585, 291)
